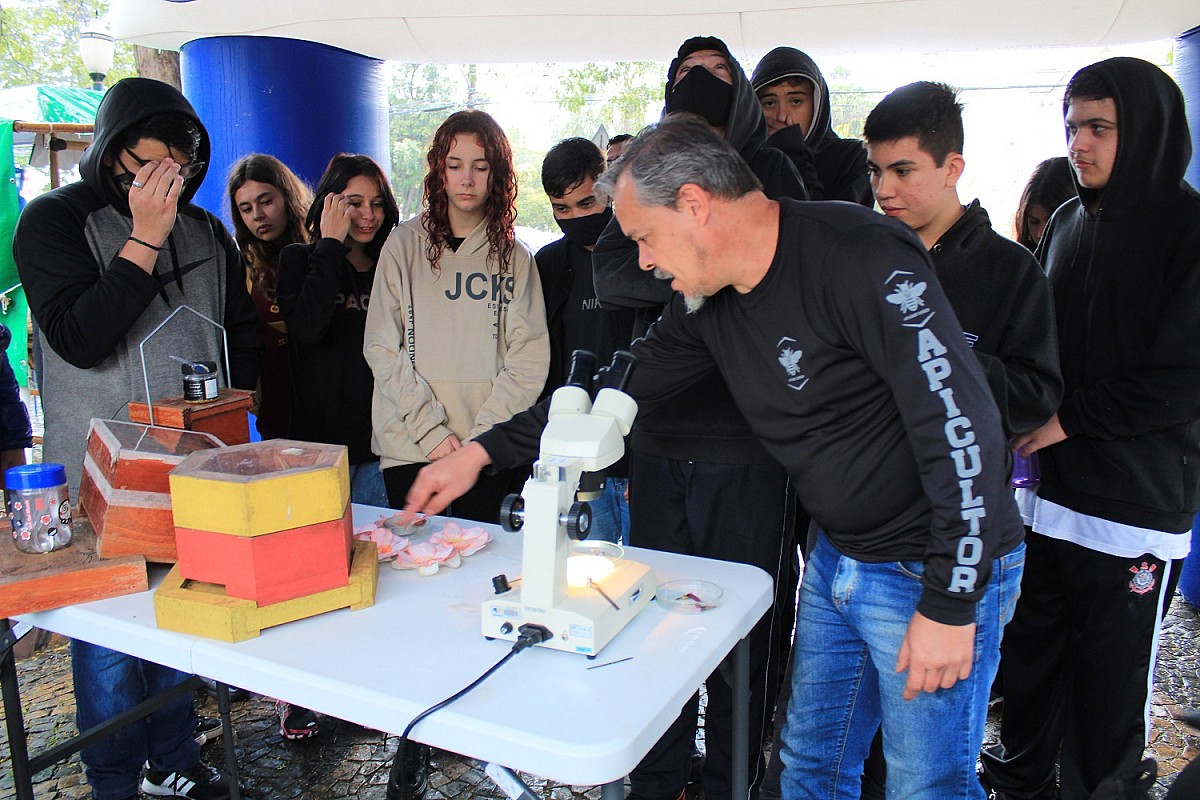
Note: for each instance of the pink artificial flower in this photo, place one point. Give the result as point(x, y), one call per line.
point(387, 544)
point(465, 542)
point(392, 523)
point(426, 558)
point(364, 530)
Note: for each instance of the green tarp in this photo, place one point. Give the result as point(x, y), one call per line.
point(59, 104)
point(28, 104)
point(17, 312)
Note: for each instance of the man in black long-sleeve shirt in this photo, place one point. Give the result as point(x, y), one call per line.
point(844, 355)
point(700, 482)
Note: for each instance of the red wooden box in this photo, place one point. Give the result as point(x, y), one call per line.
point(125, 491)
point(272, 567)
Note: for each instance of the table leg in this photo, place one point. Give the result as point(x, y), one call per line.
point(740, 775)
point(231, 765)
point(613, 791)
point(512, 785)
point(24, 767)
point(14, 719)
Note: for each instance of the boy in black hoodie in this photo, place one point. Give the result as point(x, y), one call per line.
point(104, 262)
point(574, 317)
point(1110, 522)
point(700, 482)
point(999, 293)
point(795, 104)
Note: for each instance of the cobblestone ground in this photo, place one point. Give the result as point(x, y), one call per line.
point(347, 761)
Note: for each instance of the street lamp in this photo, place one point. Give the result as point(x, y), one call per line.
point(96, 49)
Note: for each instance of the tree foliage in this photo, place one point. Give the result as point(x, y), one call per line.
point(533, 208)
point(622, 96)
point(420, 98)
point(849, 103)
point(39, 43)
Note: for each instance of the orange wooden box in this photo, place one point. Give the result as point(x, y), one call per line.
point(75, 574)
point(226, 417)
point(273, 567)
point(125, 490)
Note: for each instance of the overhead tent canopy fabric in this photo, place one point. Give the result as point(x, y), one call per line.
point(485, 31)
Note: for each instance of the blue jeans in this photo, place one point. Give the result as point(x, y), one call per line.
point(108, 683)
point(366, 485)
point(610, 513)
point(851, 621)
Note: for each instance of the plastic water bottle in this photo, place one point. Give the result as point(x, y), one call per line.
point(1026, 472)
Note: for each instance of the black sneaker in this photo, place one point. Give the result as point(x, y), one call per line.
point(207, 729)
point(1134, 786)
point(201, 782)
point(296, 722)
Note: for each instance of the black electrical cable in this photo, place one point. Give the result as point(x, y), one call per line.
point(530, 635)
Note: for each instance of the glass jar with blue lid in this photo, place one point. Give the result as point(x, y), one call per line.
point(39, 506)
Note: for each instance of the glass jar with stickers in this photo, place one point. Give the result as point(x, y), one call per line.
point(39, 506)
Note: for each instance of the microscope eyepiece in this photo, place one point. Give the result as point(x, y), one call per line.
point(583, 367)
point(620, 371)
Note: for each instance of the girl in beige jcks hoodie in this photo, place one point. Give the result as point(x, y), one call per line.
point(456, 330)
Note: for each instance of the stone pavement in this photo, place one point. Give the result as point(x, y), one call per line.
point(347, 761)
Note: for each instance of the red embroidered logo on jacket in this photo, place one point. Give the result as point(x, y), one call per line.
point(1143, 578)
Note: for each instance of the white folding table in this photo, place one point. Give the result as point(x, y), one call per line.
point(559, 715)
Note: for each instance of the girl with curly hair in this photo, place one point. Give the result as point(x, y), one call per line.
point(456, 332)
point(268, 203)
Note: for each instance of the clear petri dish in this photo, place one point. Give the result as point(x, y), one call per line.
point(688, 596)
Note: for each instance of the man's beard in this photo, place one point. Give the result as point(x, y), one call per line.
point(691, 302)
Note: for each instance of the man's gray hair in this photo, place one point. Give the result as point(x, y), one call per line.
point(679, 149)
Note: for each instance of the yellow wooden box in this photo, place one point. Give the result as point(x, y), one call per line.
point(203, 609)
point(260, 488)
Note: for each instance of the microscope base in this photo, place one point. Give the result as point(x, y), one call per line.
point(583, 621)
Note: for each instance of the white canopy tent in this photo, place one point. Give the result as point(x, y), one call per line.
point(487, 31)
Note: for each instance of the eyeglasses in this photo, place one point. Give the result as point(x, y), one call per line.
point(186, 171)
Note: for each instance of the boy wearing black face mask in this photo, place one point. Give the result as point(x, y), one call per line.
point(573, 314)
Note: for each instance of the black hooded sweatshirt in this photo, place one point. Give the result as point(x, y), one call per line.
point(839, 166)
point(1002, 299)
point(702, 423)
point(1124, 265)
point(94, 308)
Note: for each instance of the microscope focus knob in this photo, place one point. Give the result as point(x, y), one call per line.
point(512, 513)
point(579, 520)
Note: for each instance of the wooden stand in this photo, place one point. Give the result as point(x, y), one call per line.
point(226, 417)
point(75, 574)
point(204, 609)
